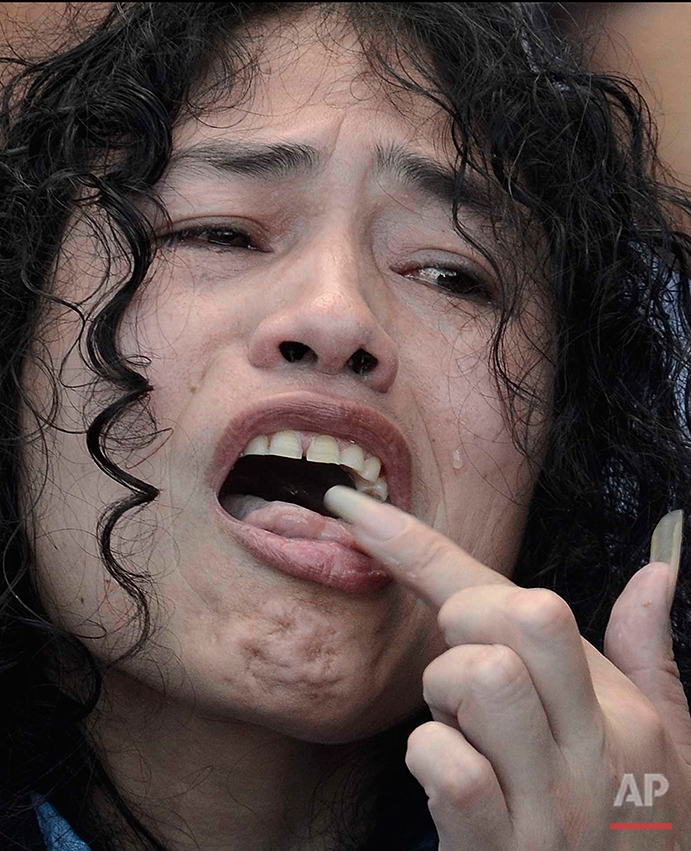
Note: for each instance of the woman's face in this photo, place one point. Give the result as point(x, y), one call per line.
point(315, 213)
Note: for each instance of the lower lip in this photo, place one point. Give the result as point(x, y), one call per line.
point(329, 563)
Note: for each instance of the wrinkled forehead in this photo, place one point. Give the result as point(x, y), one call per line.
point(316, 70)
point(310, 94)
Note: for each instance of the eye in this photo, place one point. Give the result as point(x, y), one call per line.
point(460, 282)
point(215, 238)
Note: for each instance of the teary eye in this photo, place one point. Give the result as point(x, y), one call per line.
point(456, 281)
point(215, 237)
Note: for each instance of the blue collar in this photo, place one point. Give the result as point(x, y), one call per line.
point(57, 833)
point(59, 836)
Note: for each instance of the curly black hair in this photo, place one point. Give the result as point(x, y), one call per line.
point(569, 153)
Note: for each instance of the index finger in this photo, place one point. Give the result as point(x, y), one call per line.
point(414, 553)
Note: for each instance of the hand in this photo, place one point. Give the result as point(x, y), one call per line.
point(533, 728)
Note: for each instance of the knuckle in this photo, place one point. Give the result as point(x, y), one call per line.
point(460, 783)
point(450, 614)
point(498, 669)
point(541, 613)
point(430, 679)
point(419, 738)
point(444, 679)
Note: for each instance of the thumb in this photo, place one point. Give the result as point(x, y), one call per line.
point(638, 639)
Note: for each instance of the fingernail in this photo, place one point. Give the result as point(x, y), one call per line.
point(378, 520)
point(665, 545)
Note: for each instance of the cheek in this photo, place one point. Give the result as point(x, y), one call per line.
point(478, 483)
point(71, 495)
point(182, 334)
point(71, 578)
point(486, 504)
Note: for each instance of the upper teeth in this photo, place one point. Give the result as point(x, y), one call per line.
point(324, 449)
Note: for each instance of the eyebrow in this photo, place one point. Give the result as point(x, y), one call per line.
point(282, 161)
point(418, 172)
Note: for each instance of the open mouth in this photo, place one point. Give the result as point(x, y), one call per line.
point(276, 468)
point(271, 501)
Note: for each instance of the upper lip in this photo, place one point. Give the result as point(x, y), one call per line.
point(322, 414)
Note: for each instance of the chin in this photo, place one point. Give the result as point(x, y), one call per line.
point(339, 728)
point(345, 707)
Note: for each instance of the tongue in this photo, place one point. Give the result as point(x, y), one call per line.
point(285, 519)
point(240, 506)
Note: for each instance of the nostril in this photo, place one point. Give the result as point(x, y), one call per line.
point(362, 362)
point(292, 351)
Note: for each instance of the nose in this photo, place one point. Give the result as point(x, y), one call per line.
point(323, 322)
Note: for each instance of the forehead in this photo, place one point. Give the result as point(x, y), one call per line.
point(312, 80)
